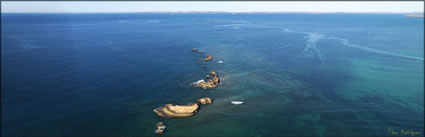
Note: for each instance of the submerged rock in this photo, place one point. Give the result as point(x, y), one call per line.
point(197, 51)
point(170, 110)
point(222, 78)
point(205, 100)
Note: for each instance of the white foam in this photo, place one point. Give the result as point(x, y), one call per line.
point(345, 42)
point(237, 102)
point(311, 43)
point(162, 127)
point(196, 84)
point(313, 38)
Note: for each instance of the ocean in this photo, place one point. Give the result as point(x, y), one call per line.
point(297, 74)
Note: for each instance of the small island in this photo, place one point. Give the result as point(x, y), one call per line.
point(205, 100)
point(170, 110)
point(211, 83)
point(207, 58)
point(175, 111)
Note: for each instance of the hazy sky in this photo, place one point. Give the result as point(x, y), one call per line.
point(234, 6)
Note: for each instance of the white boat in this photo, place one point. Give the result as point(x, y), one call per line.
point(220, 62)
point(237, 102)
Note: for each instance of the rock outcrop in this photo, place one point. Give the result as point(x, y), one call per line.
point(207, 85)
point(170, 110)
point(205, 100)
point(160, 128)
point(207, 58)
point(212, 83)
point(196, 84)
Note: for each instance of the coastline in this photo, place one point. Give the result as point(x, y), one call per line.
point(414, 16)
point(214, 12)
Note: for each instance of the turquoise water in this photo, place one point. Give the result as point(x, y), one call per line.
point(298, 74)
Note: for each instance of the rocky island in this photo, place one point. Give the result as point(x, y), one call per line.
point(179, 111)
point(170, 110)
point(207, 58)
point(211, 83)
point(205, 100)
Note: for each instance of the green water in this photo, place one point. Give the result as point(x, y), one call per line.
point(297, 74)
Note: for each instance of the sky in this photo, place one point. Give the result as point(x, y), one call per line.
point(229, 6)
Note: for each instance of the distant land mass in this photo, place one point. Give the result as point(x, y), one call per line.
point(277, 12)
point(414, 16)
point(250, 12)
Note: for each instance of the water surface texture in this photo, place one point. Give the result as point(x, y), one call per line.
point(298, 74)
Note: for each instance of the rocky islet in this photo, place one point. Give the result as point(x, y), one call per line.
point(179, 111)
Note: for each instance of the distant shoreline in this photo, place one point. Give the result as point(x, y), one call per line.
point(218, 12)
point(414, 16)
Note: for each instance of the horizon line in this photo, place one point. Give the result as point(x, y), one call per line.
point(236, 12)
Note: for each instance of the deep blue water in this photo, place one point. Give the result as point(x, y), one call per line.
point(298, 74)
